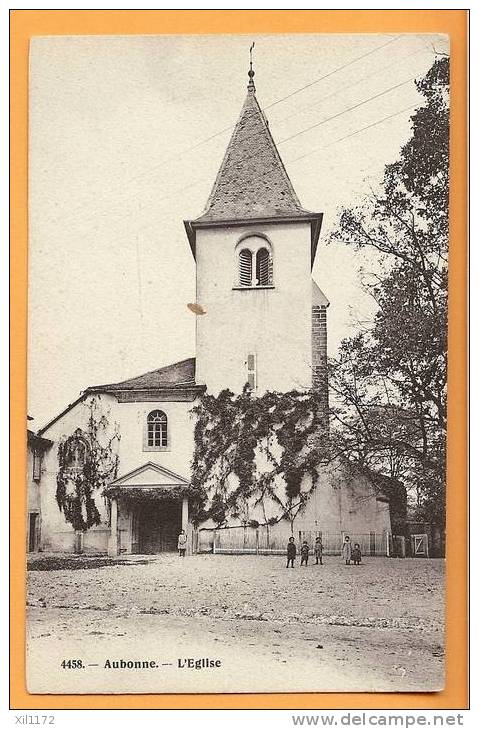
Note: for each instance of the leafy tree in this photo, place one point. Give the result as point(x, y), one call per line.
point(389, 382)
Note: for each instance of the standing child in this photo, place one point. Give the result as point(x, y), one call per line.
point(356, 554)
point(291, 552)
point(347, 550)
point(318, 550)
point(304, 554)
point(182, 539)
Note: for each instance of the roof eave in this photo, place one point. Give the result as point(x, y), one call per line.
point(316, 225)
point(191, 233)
point(63, 412)
point(165, 388)
point(38, 441)
point(315, 219)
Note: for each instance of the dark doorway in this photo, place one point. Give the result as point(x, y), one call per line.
point(159, 524)
point(32, 532)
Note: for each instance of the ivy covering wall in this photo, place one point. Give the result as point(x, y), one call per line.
point(87, 461)
point(261, 451)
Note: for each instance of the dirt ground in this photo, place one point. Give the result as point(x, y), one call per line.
point(375, 627)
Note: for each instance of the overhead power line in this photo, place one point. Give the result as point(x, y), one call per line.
point(196, 182)
point(342, 89)
point(355, 106)
point(172, 193)
point(210, 138)
point(331, 73)
point(352, 134)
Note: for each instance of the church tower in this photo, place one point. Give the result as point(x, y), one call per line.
point(254, 248)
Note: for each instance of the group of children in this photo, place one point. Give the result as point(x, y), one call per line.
point(349, 553)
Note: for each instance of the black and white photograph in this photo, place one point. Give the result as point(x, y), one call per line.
point(237, 363)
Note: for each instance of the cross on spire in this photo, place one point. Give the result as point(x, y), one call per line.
point(251, 72)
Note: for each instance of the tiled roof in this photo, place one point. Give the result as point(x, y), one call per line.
point(177, 375)
point(252, 181)
point(317, 296)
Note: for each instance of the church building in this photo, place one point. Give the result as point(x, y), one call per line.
point(261, 320)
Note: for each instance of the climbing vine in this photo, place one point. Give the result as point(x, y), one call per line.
point(259, 450)
point(88, 461)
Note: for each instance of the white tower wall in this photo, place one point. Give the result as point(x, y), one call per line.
point(272, 323)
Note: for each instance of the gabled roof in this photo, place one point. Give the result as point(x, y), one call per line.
point(174, 376)
point(252, 183)
point(150, 474)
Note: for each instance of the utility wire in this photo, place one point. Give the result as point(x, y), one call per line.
point(231, 126)
point(350, 108)
point(194, 183)
point(350, 86)
point(327, 75)
point(173, 193)
point(358, 131)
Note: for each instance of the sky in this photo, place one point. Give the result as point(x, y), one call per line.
point(126, 135)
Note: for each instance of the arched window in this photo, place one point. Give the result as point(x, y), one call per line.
point(157, 429)
point(76, 452)
point(255, 262)
point(263, 267)
point(245, 267)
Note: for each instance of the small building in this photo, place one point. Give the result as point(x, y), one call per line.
point(36, 449)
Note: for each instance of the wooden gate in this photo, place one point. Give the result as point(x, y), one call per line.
point(420, 546)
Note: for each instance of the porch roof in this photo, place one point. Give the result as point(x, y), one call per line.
point(149, 481)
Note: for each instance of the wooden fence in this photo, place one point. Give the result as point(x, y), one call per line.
point(270, 540)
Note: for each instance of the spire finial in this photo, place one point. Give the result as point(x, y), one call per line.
point(251, 72)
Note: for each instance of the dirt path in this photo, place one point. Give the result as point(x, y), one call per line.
point(330, 628)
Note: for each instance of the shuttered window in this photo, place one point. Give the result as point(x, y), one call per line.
point(245, 267)
point(255, 264)
point(263, 267)
point(37, 466)
point(251, 370)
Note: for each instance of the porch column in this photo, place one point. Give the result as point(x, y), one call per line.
point(184, 515)
point(113, 538)
point(184, 525)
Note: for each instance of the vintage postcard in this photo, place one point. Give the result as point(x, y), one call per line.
point(237, 363)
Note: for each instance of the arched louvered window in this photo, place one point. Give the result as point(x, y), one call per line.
point(157, 436)
point(254, 262)
point(245, 267)
point(263, 267)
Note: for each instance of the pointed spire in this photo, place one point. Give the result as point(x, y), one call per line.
point(251, 86)
point(252, 183)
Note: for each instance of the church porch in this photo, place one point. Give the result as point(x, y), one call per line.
point(147, 514)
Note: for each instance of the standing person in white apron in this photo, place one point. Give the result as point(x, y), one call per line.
point(347, 550)
point(182, 539)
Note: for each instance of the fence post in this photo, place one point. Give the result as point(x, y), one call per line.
point(257, 540)
point(387, 545)
point(214, 542)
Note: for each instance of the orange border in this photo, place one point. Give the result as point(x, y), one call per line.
point(27, 23)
